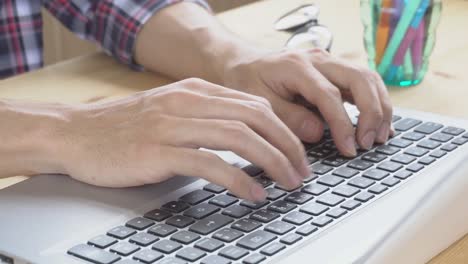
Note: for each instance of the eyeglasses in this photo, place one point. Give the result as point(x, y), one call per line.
point(306, 31)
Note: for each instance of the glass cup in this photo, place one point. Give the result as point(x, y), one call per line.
point(399, 36)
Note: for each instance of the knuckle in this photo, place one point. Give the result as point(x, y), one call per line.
point(260, 110)
point(330, 91)
point(194, 82)
point(263, 101)
point(236, 129)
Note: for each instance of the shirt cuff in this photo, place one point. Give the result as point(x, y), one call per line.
point(123, 22)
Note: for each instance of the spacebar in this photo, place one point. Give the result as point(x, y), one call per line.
point(93, 254)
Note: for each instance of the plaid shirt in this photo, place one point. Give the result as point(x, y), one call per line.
point(113, 24)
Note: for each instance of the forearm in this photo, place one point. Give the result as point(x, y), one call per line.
point(28, 138)
point(184, 40)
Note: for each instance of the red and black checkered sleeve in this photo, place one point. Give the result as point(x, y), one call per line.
point(114, 24)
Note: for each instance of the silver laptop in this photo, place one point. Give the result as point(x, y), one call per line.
point(337, 216)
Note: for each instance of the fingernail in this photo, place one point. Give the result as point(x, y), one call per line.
point(351, 146)
point(294, 177)
point(257, 192)
point(383, 133)
point(368, 139)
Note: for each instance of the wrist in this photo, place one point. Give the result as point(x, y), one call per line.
point(32, 138)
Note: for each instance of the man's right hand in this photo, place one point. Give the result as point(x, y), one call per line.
point(156, 134)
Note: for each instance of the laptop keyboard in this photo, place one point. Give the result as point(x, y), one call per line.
point(212, 226)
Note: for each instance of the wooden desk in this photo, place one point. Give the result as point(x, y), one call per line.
point(97, 76)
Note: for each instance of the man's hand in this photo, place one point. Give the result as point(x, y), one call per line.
point(153, 135)
point(292, 80)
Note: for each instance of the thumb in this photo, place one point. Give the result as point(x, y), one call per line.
point(307, 125)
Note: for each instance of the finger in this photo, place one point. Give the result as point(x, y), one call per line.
point(257, 116)
point(234, 136)
point(327, 98)
point(191, 162)
point(368, 93)
point(303, 122)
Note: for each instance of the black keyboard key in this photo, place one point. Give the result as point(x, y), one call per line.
point(314, 208)
point(185, 237)
point(264, 181)
point(361, 182)
point(374, 157)
point(336, 212)
point(252, 170)
point(360, 164)
point(124, 248)
point(403, 158)
point(306, 230)
point(428, 128)
point(375, 174)
point(345, 190)
point(255, 240)
point(180, 221)
point(389, 166)
point(196, 197)
point(403, 175)
point(147, 256)
point(278, 186)
point(211, 187)
point(175, 206)
point(290, 239)
point(406, 124)
point(330, 199)
point(363, 197)
point(190, 254)
point(378, 189)
point(320, 152)
point(350, 205)
point(310, 178)
point(400, 143)
point(272, 249)
point(299, 197)
point(143, 239)
point(162, 230)
point(322, 221)
point(429, 144)
point(246, 225)
point(166, 246)
point(254, 258)
point(158, 215)
point(233, 252)
point(320, 169)
point(413, 136)
point(315, 189)
point(139, 223)
point(215, 259)
point(312, 159)
point(281, 206)
point(438, 153)
point(209, 244)
point(210, 224)
point(227, 235)
point(416, 151)
point(93, 254)
point(297, 218)
point(102, 241)
point(390, 182)
point(395, 118)
point(121, 232)
point(335, 160)
point(330, 180)
point(387, 150)
point(201, 210)
point(441, 137)
point(345, 172)
point(459, 141)
point(264, 216)
point(465, 135)
point(415, 167)
point(274, 194)
point(448, 147)
point(454, 131)
point(426, 160)
point(223, 200)
point(236, 211)
point(254, 205)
